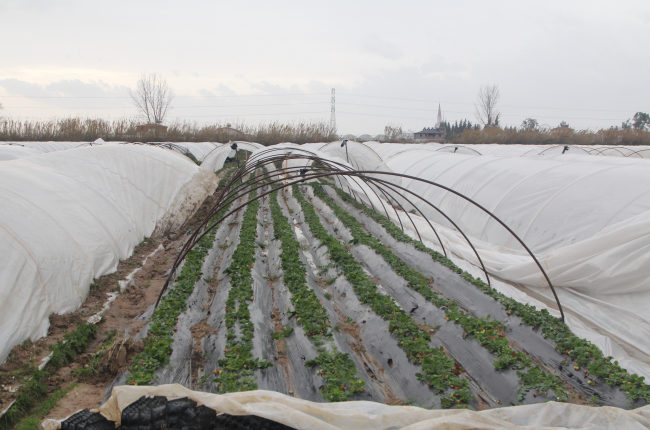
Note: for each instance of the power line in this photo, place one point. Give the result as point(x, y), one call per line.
point(209, 116)
point(472, 104)
point(175, 107)
point(520, 116)
point(249, 114)
point(176, 97)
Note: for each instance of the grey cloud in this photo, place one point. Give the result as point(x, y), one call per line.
point(376, 45)
point(78, 88)
point(225, 90)
point(21, 88)
point(276, 89)
point(91, 93)
point(206, 93)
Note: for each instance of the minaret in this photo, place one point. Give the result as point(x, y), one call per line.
point(439, 117)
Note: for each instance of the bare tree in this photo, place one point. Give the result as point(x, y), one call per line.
point(153, 97)
point(486, 105)
point(393, 132)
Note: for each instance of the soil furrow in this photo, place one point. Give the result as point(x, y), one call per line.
point(522, 336)
point(373, 330)
point(375, 389)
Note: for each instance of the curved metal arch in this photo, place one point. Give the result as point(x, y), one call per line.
point(196, 236)
point(562, 146)
point(605, 148)
point(338, 142)
point(639, 151)
point(340, 165)
point(458, 146)
point(232, 195)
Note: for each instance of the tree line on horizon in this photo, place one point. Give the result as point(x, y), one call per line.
point(153, 98)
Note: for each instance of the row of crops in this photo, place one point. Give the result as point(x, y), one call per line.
point(321, 297)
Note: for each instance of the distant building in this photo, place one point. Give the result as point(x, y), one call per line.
point(151, 129)
point(431, 134)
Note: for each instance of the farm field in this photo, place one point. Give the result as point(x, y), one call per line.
point(286, 280)
point(317, 299)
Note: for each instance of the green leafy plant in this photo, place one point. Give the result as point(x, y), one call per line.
point(310, 313)
point(286, 331)
point(437, 369)
point(158, 343)
point(235, 372)
point(582, 352)
point(34, 387)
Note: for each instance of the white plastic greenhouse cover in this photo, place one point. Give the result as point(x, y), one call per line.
point(386, 150)
point(199, 150)
point(360, 155)
point(68, 217)
point(364, 415)
point(12, 152)
point(53, 146)
point(216, 158)
point(586, 218)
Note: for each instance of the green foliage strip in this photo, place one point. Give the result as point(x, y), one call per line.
point(438, 370)
point(489, 333)
point(582, 352)
point(237, 366)
point(337, 369)
point(35, 388)
point(158, 343)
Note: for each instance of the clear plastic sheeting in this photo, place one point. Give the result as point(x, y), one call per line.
point(458, 149)
point(68, 217)
point(387, 150)
point(360, 415)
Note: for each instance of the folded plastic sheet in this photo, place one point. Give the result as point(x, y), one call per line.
point(302, 414)
point(70, 216)
point(215, 160)
point(585, 217)
point(199, 150)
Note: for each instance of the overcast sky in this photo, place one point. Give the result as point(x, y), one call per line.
point(585, 62)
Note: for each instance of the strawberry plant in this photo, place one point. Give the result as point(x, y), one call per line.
point(437, 368)
point(337, 369)
point(488, 332)
point(236, 369)
point(579, 350)
point(158, 343)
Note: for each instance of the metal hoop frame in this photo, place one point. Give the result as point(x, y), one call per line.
point(232, 193)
